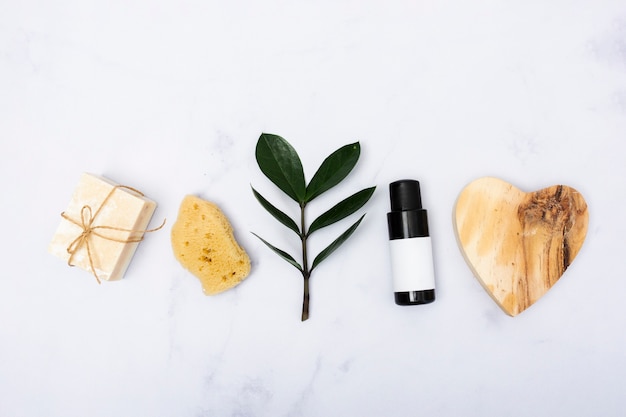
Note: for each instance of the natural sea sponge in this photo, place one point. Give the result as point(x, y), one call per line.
point(203, 242)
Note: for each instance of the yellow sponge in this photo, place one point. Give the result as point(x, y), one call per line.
point(203, 242)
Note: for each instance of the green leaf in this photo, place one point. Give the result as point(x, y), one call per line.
point(280, 162)
point(336, 243)
point(278, 215)
point(342, 210)
point(334, 169)
point(281, 253)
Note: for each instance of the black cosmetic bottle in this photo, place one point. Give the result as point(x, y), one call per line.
point(410, 246)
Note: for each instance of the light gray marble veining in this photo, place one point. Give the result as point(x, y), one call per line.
point(170, 98)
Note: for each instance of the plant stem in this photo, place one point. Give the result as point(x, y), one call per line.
point(305, 301)
point(306, 274)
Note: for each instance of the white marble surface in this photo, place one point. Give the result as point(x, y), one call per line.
point(170, 97)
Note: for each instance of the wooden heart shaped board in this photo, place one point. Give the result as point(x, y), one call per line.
point(518, 244)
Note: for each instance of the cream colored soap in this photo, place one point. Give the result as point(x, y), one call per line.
point(110, 207)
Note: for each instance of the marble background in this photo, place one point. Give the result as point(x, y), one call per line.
point(170, 97)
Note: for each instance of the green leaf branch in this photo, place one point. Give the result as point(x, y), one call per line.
point(280, 163)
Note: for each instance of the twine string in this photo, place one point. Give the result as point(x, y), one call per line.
point(87, 218)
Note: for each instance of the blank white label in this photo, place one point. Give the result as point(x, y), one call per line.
point(412, 264)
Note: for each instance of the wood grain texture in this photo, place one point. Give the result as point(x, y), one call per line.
point(519, 244)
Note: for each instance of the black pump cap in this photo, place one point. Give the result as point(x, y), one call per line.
point(405, 195)
point(407, 218)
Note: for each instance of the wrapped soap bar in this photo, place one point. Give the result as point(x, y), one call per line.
point(102, 226)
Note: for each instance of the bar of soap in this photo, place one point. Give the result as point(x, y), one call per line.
point(111, 207)
point(204, 243)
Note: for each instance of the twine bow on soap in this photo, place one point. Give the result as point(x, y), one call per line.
point(87, 218)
